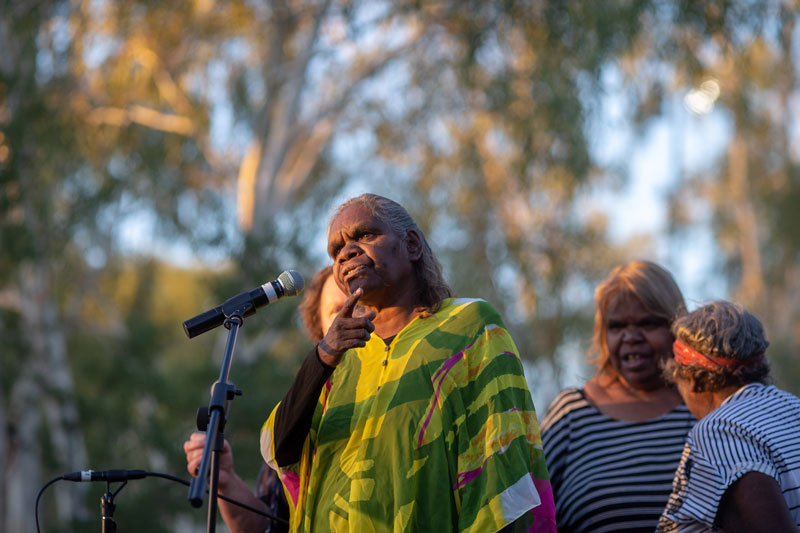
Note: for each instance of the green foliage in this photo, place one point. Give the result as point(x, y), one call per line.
point(117, 117)
point(141, 381)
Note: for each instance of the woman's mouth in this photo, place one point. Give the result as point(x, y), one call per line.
point(354, 271)
point(632, 357)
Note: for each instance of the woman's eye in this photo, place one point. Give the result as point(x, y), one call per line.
point(653, 323)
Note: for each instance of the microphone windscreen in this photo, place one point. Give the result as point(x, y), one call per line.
point(292, 282)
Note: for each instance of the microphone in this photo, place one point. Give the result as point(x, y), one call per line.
point(289, 283)
point(105, 475)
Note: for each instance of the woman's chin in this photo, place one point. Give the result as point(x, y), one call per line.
point(642, 377)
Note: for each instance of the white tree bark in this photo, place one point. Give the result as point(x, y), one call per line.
point(42, 394)
point(21, 481)
point(751, 286)
point(290, 136)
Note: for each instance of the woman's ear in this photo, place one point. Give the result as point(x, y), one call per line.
point(414, 245)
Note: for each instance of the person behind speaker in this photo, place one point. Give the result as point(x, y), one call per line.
point(415, 415)
point(321, 302)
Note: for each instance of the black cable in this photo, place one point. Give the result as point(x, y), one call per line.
point(229, 500)
point(171, 478)
point(36, 507)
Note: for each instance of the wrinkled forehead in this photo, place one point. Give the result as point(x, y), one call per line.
point(353, 219)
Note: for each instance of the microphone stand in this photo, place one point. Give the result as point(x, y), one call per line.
point(212, 419)
point(107, 508)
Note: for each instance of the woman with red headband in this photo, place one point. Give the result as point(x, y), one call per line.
point(740, 470)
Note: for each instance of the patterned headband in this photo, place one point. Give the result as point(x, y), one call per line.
point(687, 356)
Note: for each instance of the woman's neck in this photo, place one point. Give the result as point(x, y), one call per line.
point(617, 399)
point(391, 320)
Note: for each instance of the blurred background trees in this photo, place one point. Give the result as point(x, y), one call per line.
point(156, 158)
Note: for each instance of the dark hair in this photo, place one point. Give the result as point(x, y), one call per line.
point(309, 307)
point(721, 329)
point(646, 281)
point(432, 286)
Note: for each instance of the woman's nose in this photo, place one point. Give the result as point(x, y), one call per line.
point(631, 333)
point(349, 250)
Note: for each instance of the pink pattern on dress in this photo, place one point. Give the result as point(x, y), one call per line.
point(544, 514)
point(291, 481)
point(440, 375)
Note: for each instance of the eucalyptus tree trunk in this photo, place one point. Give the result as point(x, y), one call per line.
point(290, 134)
point(42, 403)
point(751, 286)
point(39, 412)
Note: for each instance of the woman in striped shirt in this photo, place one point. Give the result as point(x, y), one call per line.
point(740, 470)
point(612, 447)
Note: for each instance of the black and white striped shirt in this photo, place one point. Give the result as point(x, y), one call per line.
point(607, 474)
point(756, 429)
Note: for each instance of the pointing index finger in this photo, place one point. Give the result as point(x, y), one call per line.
point(350, 303)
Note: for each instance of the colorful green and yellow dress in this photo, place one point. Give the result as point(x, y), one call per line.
point(434, 432)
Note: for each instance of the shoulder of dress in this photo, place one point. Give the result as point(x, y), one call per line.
point(465, 303)
point(723, 422)
point(568, 400)
point(472, 309)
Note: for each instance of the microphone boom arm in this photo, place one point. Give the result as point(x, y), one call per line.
point(289, 283)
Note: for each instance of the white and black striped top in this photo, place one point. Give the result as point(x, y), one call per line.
point(756, 429)
point(607, 474)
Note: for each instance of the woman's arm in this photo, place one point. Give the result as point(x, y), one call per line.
point(296, 411)
point(754, 504)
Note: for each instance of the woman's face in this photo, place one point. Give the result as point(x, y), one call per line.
point(331, 300)
point(637, 342)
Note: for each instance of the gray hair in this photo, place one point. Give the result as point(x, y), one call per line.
point(432, 286)
point(722, 329)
